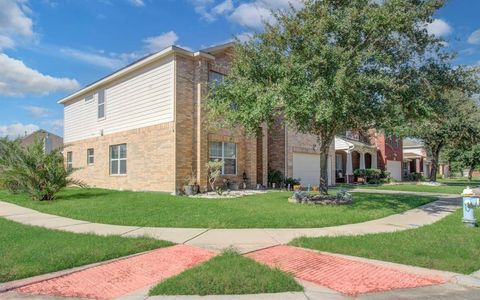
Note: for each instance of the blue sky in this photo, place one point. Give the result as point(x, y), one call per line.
point(49, 48)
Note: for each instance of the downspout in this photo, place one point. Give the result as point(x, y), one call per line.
point(286, 150)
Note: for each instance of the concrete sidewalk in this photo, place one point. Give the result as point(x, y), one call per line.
point(244, 240)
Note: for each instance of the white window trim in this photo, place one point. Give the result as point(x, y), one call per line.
point(222, 158)
point(116, 159)
point(69, 160)
point(90, 156)
point(103, 104)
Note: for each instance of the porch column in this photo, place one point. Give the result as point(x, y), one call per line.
point(374, 161)
point(417, 165)
point(362, 160)
point(349, 170)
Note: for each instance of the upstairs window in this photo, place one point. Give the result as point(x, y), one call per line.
point(101, 104)
point(215, 78)
point(89, 99)
point(118, 159)
point(226, 152)
point(90, 156)
point(69, 160)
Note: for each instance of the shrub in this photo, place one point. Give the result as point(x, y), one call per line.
point(32, 170)
point(214, 169)
point(275, 176)
point(291, 181)
point(415, 176)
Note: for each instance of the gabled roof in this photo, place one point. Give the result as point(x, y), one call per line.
point(412, 143)
point(143, 62)
point(40, 132)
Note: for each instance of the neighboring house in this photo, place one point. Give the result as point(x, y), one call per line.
point(373, 150)
point(50, 141)
point(416, 160)
point(143, 127)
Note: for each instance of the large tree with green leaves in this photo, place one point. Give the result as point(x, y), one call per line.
point(455, 123)
point(463, 158)
point(330, 66)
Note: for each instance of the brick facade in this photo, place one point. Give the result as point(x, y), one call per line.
point(149, 159)
point(161, 157)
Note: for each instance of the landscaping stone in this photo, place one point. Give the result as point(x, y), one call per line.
point(229, 194)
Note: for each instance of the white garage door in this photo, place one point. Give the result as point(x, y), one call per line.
point(395, 169)
point(307, 168)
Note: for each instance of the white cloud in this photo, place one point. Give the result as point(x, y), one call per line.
point(21, 80)
point(14, 22)
point(56, 124)
point(117, 60)
point(159, 42)
point(474, 38)
point(439, 28)
point(37, 111)
point(138, 3)
point(97, 59)
point(202, 8)
point(6, 42)
point(250, 14)
point(224, 7)
point(17, 130)
point(244, 36)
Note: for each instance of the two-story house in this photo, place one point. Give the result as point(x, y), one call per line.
point(372, 150)
point(144, 128)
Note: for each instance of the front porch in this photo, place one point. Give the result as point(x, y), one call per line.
point(351, 155)
point(415, 163)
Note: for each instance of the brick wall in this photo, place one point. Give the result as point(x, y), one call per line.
point(149, 159)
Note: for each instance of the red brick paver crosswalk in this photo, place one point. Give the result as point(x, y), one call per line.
point(122, 276)
point(347, 276)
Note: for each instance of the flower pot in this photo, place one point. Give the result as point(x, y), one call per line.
point(190, 190)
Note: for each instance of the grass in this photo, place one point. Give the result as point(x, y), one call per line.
point(445, 245)
point(450, 186)
point(28, 250)
point(270, 210)
point(228, 274)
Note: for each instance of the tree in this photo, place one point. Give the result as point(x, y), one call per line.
point(331, 66)
point(460, 159)
point(455, 123)
point(31, 170)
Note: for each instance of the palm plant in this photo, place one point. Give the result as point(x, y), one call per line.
point(32, 170)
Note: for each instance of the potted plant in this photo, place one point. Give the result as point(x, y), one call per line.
point(191, 187)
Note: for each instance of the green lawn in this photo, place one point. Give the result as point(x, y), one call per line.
point(228, 274)
point(445, 245)
point(270, 210)
point(28, 250)
point(450, 186)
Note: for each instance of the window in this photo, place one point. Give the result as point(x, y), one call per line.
point(118, 159)
point(90, 156)
point(69, 160)
point(226, 152)
point(215, 77)
point(88, 98)
point(101, 104)
point(338, 162)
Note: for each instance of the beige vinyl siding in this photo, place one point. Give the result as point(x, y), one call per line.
point(142, 99)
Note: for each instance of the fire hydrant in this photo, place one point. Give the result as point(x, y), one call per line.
point(470, 200)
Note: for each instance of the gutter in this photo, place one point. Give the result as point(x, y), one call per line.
point(135, 66)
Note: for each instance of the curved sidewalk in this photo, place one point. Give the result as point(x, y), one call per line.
point(245, 240)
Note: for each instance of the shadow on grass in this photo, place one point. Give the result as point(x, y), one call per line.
point(82, 195)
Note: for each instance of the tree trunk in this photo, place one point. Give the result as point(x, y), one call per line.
point(435, 156)
point(470, 173)
point(325, 141)
point(324, 171)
